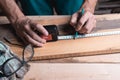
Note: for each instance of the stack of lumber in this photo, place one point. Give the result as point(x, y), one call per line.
point(103, 7)
point(108, 6)
point(72, 48)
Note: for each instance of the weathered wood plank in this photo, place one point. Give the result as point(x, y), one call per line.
point(81, 47)
point(58, 20)
point(44, 20)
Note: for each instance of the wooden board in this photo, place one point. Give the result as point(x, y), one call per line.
point(58, 20)
point(77, 48)
point(80, 47)
point(46, 71)
point(82, 71)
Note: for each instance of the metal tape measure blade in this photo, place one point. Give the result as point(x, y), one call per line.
point(89, 35)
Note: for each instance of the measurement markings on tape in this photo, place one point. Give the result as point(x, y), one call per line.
point(89, 35)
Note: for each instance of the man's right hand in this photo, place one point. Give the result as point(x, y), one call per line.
point(25, 29)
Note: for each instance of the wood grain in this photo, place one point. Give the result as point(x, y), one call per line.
point(58, 20)
point(79, 47)
point(46, 71)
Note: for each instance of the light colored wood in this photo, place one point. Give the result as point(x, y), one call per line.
point(81, 71)
point(44, 20)
point(81, 47)
point(47, 71)
point(58, 20)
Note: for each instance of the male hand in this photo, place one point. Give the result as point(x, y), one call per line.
point(26, 30)
point(84, 24)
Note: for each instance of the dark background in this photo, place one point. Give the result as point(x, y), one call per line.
point(103, 7)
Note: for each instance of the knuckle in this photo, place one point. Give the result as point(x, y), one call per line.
point(33, 37)
point(26, 27)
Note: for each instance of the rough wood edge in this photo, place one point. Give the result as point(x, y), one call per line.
point(92, 53)
point(58, 20)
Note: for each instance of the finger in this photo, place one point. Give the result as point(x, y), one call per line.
point(79, 26)
point(33, 35)
point(32, 41)
point(73, 20)
point(94, 26)
point(21, 36)
point(89, 25)
point(95, 23)
point(39, 28)
point(82, 21)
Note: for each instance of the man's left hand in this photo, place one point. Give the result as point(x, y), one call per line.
point(84, 24)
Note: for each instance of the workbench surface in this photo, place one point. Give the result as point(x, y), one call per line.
point(96, 67)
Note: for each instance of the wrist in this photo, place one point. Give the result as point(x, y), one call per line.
point(89, 9)
point(13, 19)
point(21, 21)
point(89, 5)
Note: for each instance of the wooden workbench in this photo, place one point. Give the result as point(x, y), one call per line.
point(97, 67)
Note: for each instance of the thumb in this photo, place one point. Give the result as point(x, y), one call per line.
point(41, 29)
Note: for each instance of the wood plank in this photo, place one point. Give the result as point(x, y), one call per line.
point(44, 20)
point(58, 71)
point(105, 59)
point(86, 46)
point(79, 47)
point(58, 20)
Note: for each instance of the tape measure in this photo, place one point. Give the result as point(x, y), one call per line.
point(89, 35)
point(54, 34)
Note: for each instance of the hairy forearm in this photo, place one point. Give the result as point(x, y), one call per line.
point(89, 5)
point(11, 10)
